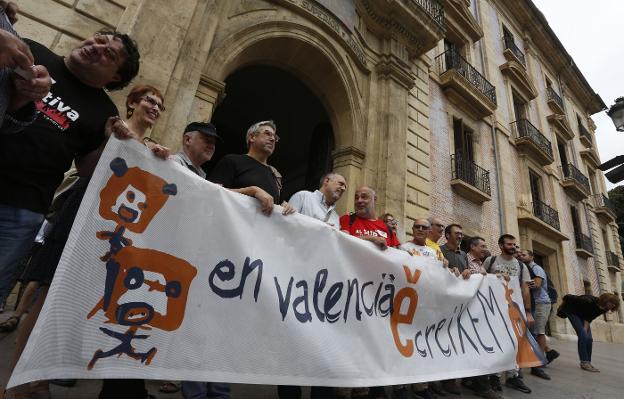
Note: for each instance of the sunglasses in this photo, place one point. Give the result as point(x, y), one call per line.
point(420, 227)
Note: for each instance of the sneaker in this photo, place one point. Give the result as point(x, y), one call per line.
point(488, 394)
point(588, 367)
point(450, 386)
point(551, 355)
point(539, 372)
point(516, 383)
point(495, 383)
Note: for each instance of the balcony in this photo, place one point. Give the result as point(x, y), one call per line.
point(531, 142)
point(419, 23)
point(584, 246)
point(465, 86)
point(515, 70)
point(560, 124)
point(470, 180)
point(613, 262)
point(540, 217)
point(585, 136)
point(574, 182)
point(555, 102)
point(604, 208)
point(590, 156)
point(512, 52)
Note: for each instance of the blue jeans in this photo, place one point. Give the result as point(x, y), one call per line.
point(202, 390)
point(18, 229)
point(585, 339)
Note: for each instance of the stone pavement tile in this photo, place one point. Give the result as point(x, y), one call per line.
point(568, 380)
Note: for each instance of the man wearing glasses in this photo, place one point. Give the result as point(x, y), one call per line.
point(250, 173)
point(435, 233)
point(418, 246)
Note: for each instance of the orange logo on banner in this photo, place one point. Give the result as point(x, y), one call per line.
point(526, 356)
point(397, 317)
point(131, 198)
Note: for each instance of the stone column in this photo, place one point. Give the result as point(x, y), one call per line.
point(174, 38)
point(348, 161)
point(395, 80)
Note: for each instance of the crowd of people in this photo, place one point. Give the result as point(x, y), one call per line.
point(55, 118)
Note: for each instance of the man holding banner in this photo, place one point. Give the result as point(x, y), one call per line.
point(320, 205)
point(507, 266)
point(364, 223)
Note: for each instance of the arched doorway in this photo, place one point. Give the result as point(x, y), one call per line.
point(260, 92)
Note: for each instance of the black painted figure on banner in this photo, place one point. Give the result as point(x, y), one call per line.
point(131, 198)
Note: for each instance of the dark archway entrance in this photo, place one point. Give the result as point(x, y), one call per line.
point(261, 92)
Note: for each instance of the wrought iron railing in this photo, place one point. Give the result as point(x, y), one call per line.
point(602, 201)
point(452, 60)
point(584, 132)
point(433, 8)
point(511, 45)
point(571, 172)
point(584, 242)
point(546, 214)
point(524, 128)
point(553, 96)
point(612, 259)
point(471, 173)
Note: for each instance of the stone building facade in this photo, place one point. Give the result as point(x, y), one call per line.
point(470, 110)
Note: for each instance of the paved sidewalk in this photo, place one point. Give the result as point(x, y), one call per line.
point(568, 380)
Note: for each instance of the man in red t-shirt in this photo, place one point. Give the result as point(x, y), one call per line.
point(364, 223)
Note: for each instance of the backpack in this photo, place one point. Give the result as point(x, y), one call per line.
point(550, 288)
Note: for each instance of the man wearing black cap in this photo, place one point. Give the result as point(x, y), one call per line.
point(198, 146)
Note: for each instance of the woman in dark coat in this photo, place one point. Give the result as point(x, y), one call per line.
point(581, 310)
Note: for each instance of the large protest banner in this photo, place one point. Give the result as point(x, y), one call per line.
point(167, 276)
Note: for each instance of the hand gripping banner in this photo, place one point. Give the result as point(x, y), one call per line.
point(167, 276)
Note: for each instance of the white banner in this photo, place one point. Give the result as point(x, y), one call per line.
point(167, 276)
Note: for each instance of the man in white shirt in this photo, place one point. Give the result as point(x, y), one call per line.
point(321, 203)
point(418, 247)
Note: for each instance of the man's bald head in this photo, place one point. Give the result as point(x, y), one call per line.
point(364, 202)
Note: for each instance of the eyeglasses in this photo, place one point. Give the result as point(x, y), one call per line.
point(420, 227)
point(438, 225)
point(270, 134)
point(154, 103)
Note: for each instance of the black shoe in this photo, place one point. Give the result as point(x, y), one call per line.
point(495, 383)
point(475, 384)
point(516, 383)
point(489, 394)
point(551, 355)
point(436, 388)
point(450, 386)
point(424, 394)
point(63, 383)
point(401, 393)
point(539, 372)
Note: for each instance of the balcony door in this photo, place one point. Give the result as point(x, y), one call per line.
point(464, 141)
point(576, 225)
point(536, 186)
point(563, 154)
